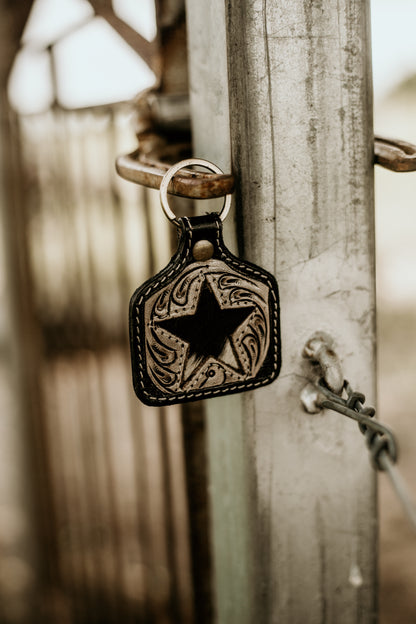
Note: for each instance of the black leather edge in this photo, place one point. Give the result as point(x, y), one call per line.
point(208, 227)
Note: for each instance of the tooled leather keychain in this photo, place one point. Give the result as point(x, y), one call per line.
point(208, 324)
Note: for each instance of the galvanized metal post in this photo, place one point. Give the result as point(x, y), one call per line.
point(283, 91)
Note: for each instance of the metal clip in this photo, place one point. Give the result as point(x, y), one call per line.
point(326, 392)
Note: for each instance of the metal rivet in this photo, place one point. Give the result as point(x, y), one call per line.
point(203, 250)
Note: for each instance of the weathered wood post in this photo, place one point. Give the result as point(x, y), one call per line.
point(282, 90)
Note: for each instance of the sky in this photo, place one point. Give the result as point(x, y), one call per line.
point(94, 64)
point(99, 67)
point(393, 42)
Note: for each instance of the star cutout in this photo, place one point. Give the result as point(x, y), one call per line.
point(208, 330)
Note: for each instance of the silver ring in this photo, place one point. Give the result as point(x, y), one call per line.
point(169, 175)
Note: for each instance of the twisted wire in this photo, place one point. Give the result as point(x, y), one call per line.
point(379, 438)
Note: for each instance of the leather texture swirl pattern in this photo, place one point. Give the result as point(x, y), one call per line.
point(209, 327)
point(204, 328)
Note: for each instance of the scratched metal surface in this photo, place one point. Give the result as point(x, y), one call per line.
point(293, 495)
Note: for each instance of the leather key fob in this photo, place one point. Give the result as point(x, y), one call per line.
point(205, 326)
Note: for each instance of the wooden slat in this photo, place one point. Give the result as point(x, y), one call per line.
point(116, 470)
point(293, 494)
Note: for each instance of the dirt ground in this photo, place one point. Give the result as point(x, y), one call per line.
point(396, 314)
point(397, 408)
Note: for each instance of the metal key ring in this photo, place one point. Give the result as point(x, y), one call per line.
point(169, 175)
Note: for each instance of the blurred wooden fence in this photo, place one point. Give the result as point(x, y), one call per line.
point(111, 493)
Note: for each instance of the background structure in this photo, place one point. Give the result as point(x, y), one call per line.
point(102, 513)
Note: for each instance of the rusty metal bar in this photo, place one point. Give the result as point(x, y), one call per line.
point(144, 170)
point(148, 169)
point(394, 154)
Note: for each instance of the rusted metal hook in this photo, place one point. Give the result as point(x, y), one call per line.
point(143, 169)
point(147, 167)
point(394, 154)
point(163, 132)
point(164, 137)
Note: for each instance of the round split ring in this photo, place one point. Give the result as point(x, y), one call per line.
point(169, 175)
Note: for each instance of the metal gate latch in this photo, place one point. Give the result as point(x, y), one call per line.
point(164, 137)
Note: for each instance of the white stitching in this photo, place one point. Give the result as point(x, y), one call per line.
point(207, 393)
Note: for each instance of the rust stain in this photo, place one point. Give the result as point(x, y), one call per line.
point(148, 170)
point(394, 154)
